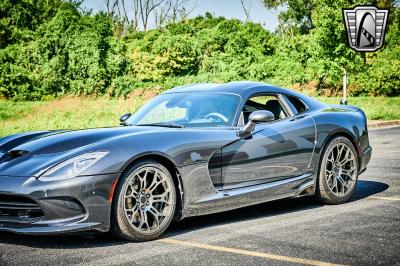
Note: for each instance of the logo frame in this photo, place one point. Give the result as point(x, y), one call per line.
point(354, 21)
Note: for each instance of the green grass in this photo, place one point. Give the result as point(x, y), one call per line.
point(65, 113)
point(86, 112)
point(376, 108)
point(16, 110)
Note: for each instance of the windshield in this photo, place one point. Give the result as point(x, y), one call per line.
point(194, 109)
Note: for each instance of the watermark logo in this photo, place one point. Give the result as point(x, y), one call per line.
point(365, 27)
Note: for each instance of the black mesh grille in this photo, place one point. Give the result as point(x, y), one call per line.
point(18, 208)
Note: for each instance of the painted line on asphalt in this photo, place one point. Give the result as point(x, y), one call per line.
point(247, 252)
point(384, 154)
point(385, 198)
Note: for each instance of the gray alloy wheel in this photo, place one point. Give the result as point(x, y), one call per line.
point(146, 198)
point(338, 173)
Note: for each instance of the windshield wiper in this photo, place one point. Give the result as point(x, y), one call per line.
point(171, 125)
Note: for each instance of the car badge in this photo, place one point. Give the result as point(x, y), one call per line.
point(365, 27)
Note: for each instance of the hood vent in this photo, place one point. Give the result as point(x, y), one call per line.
point(11, 155)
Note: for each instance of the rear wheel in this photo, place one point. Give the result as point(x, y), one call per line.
point(145, 202)
point(338, 173)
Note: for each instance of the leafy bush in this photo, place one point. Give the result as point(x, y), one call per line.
point(382, 75)
point(166, 55)
point(50, 48)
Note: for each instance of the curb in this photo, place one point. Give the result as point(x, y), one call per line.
point(382, 124)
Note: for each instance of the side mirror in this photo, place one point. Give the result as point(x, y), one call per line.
point(123, 118)
point(261, 116)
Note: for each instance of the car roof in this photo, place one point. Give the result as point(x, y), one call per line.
point(237, 87)
point(242, 88)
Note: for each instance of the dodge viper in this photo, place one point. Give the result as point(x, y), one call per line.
point(192, 150)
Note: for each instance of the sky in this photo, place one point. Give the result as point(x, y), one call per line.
point(226, 8)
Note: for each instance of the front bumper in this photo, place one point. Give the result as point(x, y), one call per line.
point(31, 206)
point(364, 159)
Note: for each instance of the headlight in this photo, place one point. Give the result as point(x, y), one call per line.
point(72, 167)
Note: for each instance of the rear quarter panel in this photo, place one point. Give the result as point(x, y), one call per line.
point(345, 120)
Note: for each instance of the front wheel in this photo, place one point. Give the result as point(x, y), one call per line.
point(145, 202)
point(338, 171)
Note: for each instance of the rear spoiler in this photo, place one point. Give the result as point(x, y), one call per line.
point(346, 107)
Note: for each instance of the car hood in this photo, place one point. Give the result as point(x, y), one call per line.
point(30, 154)
point(65, 141)
point(37, 150)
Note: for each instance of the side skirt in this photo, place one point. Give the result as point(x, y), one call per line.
point(224, 200)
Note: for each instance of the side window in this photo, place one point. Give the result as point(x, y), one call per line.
point(263, 102)
point(298, 104)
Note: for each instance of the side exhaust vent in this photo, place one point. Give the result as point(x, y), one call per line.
point(306, 192)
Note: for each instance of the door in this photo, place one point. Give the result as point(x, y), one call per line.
point(276, 150)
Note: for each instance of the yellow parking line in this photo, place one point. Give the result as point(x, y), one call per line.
point(385, 198)
point(245, 252)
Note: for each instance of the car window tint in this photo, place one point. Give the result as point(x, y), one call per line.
point(192, 109)
point(161, 113)
point(264, 102)
point(298, 104)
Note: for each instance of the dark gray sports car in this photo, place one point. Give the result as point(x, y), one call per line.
point(192, 150)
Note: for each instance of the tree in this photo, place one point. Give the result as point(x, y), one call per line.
point(246, 9)
point(298, 13)
point(170, 11)
point(111, 6)
point(19, 19)
point(140, 12)
point(146, 7)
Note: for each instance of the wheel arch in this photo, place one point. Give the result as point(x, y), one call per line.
point(340, 133)
point(171, 167)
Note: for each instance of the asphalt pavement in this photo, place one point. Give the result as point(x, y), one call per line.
point(365, 231)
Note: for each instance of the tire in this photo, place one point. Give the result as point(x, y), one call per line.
point(143, 209)
point(338, 171)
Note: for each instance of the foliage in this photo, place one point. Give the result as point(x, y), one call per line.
point(49, 48)
point(297, 15)
point(62, 113)
point(382, 75)
point(19, 19)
